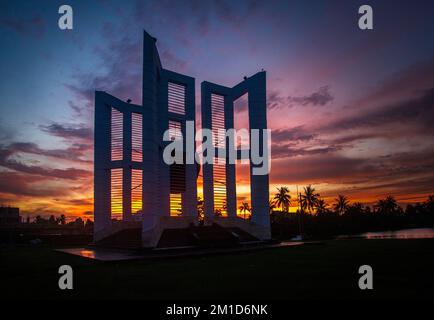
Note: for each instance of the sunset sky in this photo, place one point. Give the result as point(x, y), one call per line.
point(351, 111)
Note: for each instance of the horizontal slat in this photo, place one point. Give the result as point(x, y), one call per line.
point(116, 135)
point(176, 98)
point(116, 193)
point(136, 137)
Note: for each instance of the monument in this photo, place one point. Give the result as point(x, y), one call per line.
point(134, 189)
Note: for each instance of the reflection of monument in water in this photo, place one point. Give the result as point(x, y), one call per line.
point(155, 203)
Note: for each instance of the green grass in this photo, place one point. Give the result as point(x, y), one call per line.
point(402, 269)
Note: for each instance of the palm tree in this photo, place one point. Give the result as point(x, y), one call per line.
point(309, 199)
point(429, 204)
point(387, 205)
point(52, 220)
point(40, 220)
point(283, 198)
point(341, 204)
point(358, 206)
point(200, 210)
point(271, 206)
point(357, 209)
point(218, 212)
point(244, 208)
point(392, 205)
point(321, 206)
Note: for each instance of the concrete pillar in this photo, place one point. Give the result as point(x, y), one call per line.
point(126, 165)
point(258, 120)
point(208, 192)
point(151, 139)
point(231, 191)
point(102, 158)
point(190, 194)
point(164, 124)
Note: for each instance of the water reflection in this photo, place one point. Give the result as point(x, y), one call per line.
point(88, 253)
point(417, 233)
point(101, 253)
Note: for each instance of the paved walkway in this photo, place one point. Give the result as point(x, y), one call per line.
point(108, 254)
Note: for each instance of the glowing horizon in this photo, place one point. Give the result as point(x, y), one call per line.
point(350, 111)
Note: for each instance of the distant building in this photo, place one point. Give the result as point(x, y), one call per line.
point(9, 215)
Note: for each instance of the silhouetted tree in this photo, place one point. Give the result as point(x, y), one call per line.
point(429, 204)
point(218, 212)
point(321, 206)
point(356, 208)
point(357, 218)
point(271, 206)
point(52, 220)
point(387, 206)
point(200, 210)
point(309, 199)
point(244, 208)
point(224, 206)
point(88, 224)
point(79, 223)
point(282, 198)
point(40, 220)
point(341, 204)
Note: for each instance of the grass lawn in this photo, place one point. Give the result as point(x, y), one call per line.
point(402, 269)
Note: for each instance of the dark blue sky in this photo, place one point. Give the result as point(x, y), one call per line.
point(339, 97)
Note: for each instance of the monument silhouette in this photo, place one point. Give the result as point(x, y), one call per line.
point(137, 193)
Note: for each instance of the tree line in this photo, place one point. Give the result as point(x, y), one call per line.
point(316, 218)
point(61, 221)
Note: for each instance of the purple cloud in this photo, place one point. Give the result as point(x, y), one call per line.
point(33, 27)
point(319, 98)
point(68, 131)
